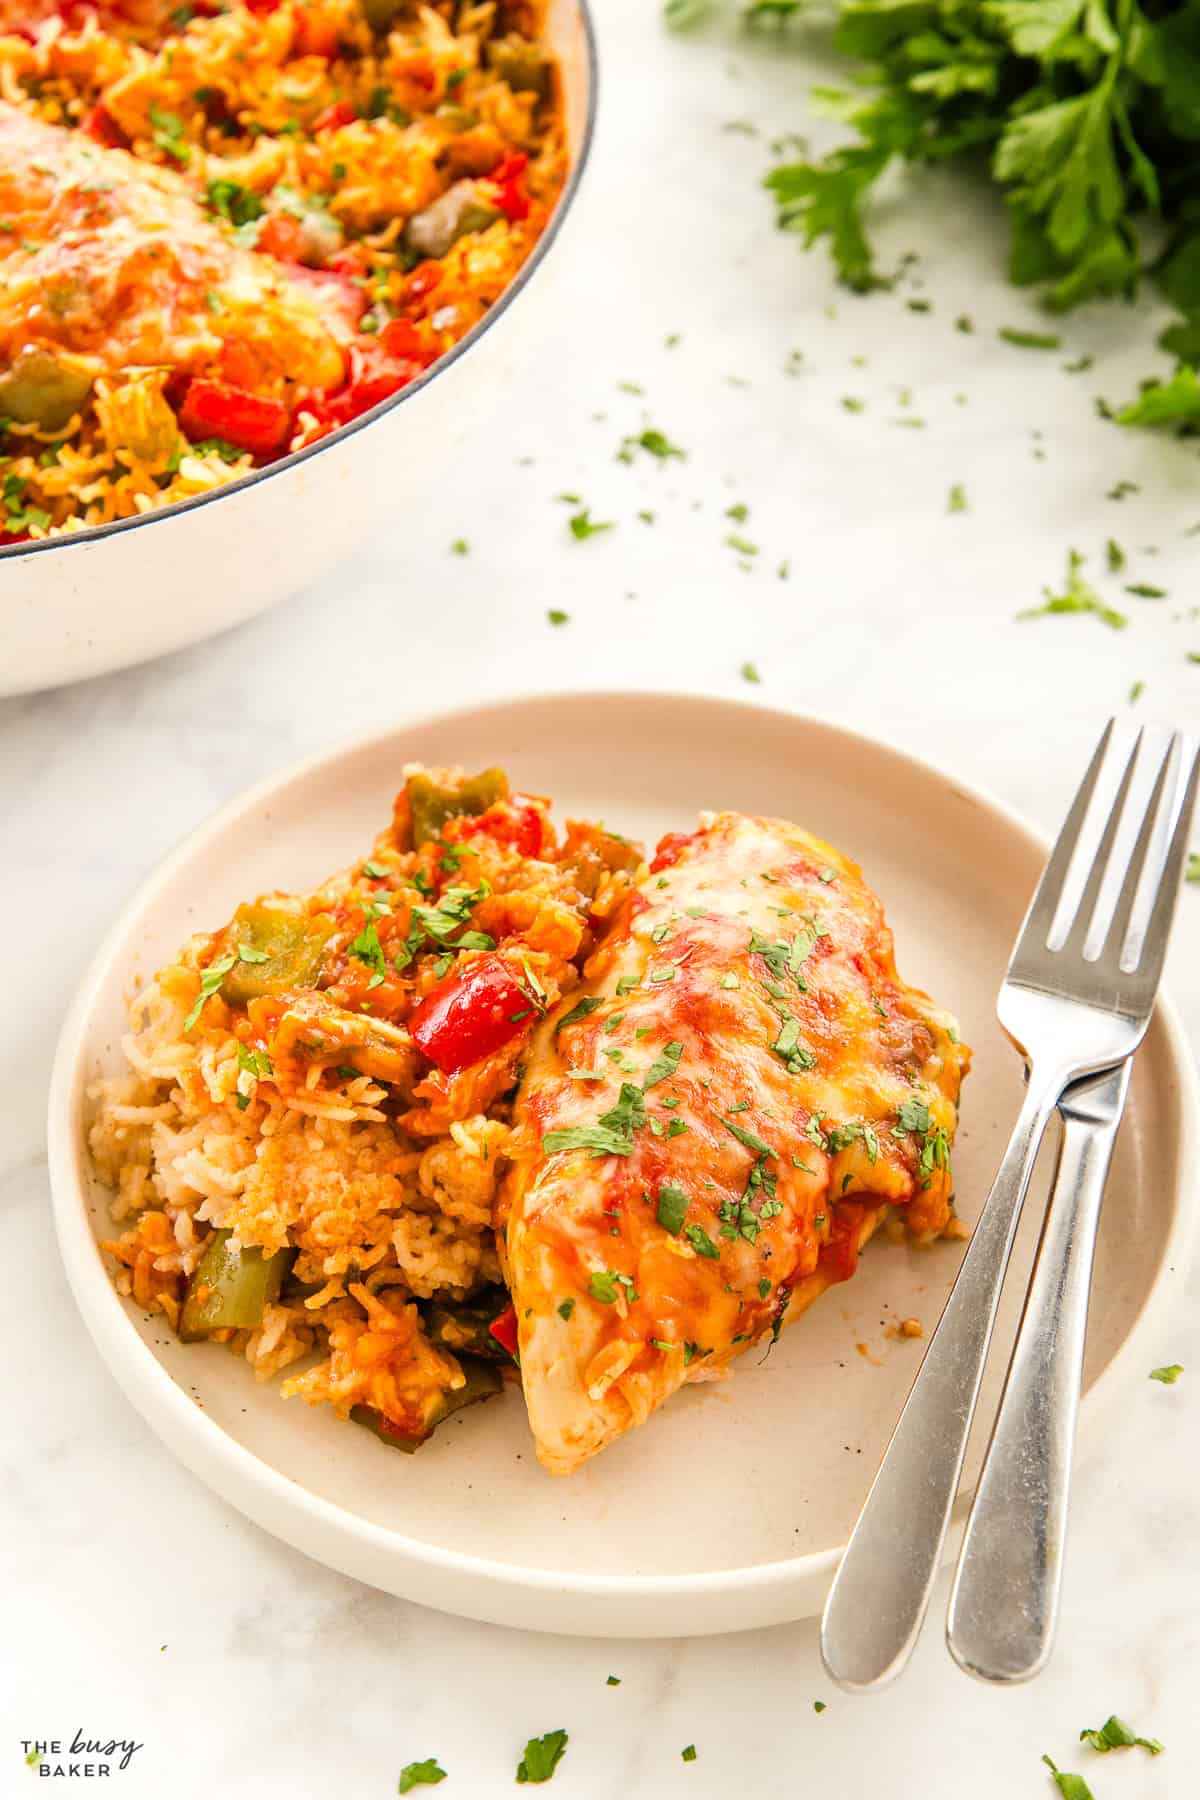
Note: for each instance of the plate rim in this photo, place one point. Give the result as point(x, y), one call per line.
point(290, 1511)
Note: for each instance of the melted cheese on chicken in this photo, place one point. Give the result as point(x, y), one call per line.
point(111, 258)
point(713, 1124)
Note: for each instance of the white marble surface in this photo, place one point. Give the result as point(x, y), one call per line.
point(138, 1605)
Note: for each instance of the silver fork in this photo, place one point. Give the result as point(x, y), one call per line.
point(1073, 1010)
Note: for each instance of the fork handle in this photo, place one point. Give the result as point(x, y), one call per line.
point(881, 1591)
point(1004, 1604)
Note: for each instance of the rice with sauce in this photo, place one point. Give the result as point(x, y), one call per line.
point(229, 226)
point(297, 1096)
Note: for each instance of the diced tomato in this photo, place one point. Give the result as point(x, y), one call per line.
point(101, 126)
point(524, 826)
point(400, 337)
point(281, 236)
point(472, 1015)
point(424, 278)
point(341, 112)
point(217, 409)
point(508, 178)
point(504, 1329)
point(316, 35)
point(670, 849)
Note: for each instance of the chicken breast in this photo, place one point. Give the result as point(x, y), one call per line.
point(713, 1125)
point(113, 260)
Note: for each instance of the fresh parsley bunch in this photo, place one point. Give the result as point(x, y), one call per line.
point(1085, 112)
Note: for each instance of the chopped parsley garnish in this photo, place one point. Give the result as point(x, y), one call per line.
point(1114, 556)
point(655, 443)
point(700, 1241)
point(663, 1066)
point(672, 1207)
point(375, 870)
point(542, 1756)
point(420, 1774)
point(566, 1307)
point(626, 985)
point(1145, 590)
point(580, 1010)
point(170, 137)
point(1077, 597)
point(613, 1681)
point(688, 1753)
point(749, 672)
point(1114, 1734)
point(611, 1135)
point(1071, 1787)
point(248, 954)
point(1029, 340)
point(231, 201)
point(557, 616)
point(367, 948)
point(460, 547)
point(818, 1706)
point(210, 983)
point(603, 1285)
point(787, 1046)
point(1168, 1375)
point(582, 524)
point(747, 1138)
point(742, 545)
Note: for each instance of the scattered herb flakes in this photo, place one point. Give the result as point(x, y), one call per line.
point(420, 1774)
point(701, 1243)
point(611, 1135)
point(1071, 1787)
point(210, 983)
point(852, 404)
point(582, 525)
point(542, 1756)
point(556, 616)
point(460, 547)
point(1136, 690)
point(580, 1010)
point(742, 545)
point(1170, 1372)
point(1114, 1734)
point(1076, 597)
point(957, 502)
point(663, 1066)
point(565, 1307)
point(672, 1207)
point(1145, 590)
point(818, 1706)
point(630, 387)
point(749, 672)
point(739, 513)
point(613, 1681)
point(688, 1753)
point(1121, 489)
point(655, 443)
point(1192, 872)
point(646, 516)
point(1029, 340)
point(1115, 556)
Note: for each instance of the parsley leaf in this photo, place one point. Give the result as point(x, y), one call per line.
point(1071, 1787)
point(611, 1135)
point(542, 1756)
point(663, 1066)
point(1114, 1734)
point(420, 1774)
point(672, 1207)
point(210, 983)
point(1076, 597)
point(1168, 1375)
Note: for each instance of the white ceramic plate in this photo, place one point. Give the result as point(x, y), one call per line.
point(730, 1509)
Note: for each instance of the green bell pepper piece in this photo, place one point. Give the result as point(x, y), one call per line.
point(231, 1288)
point(286, 951)
point(430, 803)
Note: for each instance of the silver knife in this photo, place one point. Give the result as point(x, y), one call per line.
point(1004, 1604)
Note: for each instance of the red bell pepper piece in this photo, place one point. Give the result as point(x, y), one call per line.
point(504, 1329)
point(508, 178)
point(670, 849)
point(522, 825)
point(217, 409)
point(103, 128)
point(472, 1015)
point(339, 113)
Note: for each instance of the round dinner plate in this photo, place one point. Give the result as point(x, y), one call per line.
point(731, 1507)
